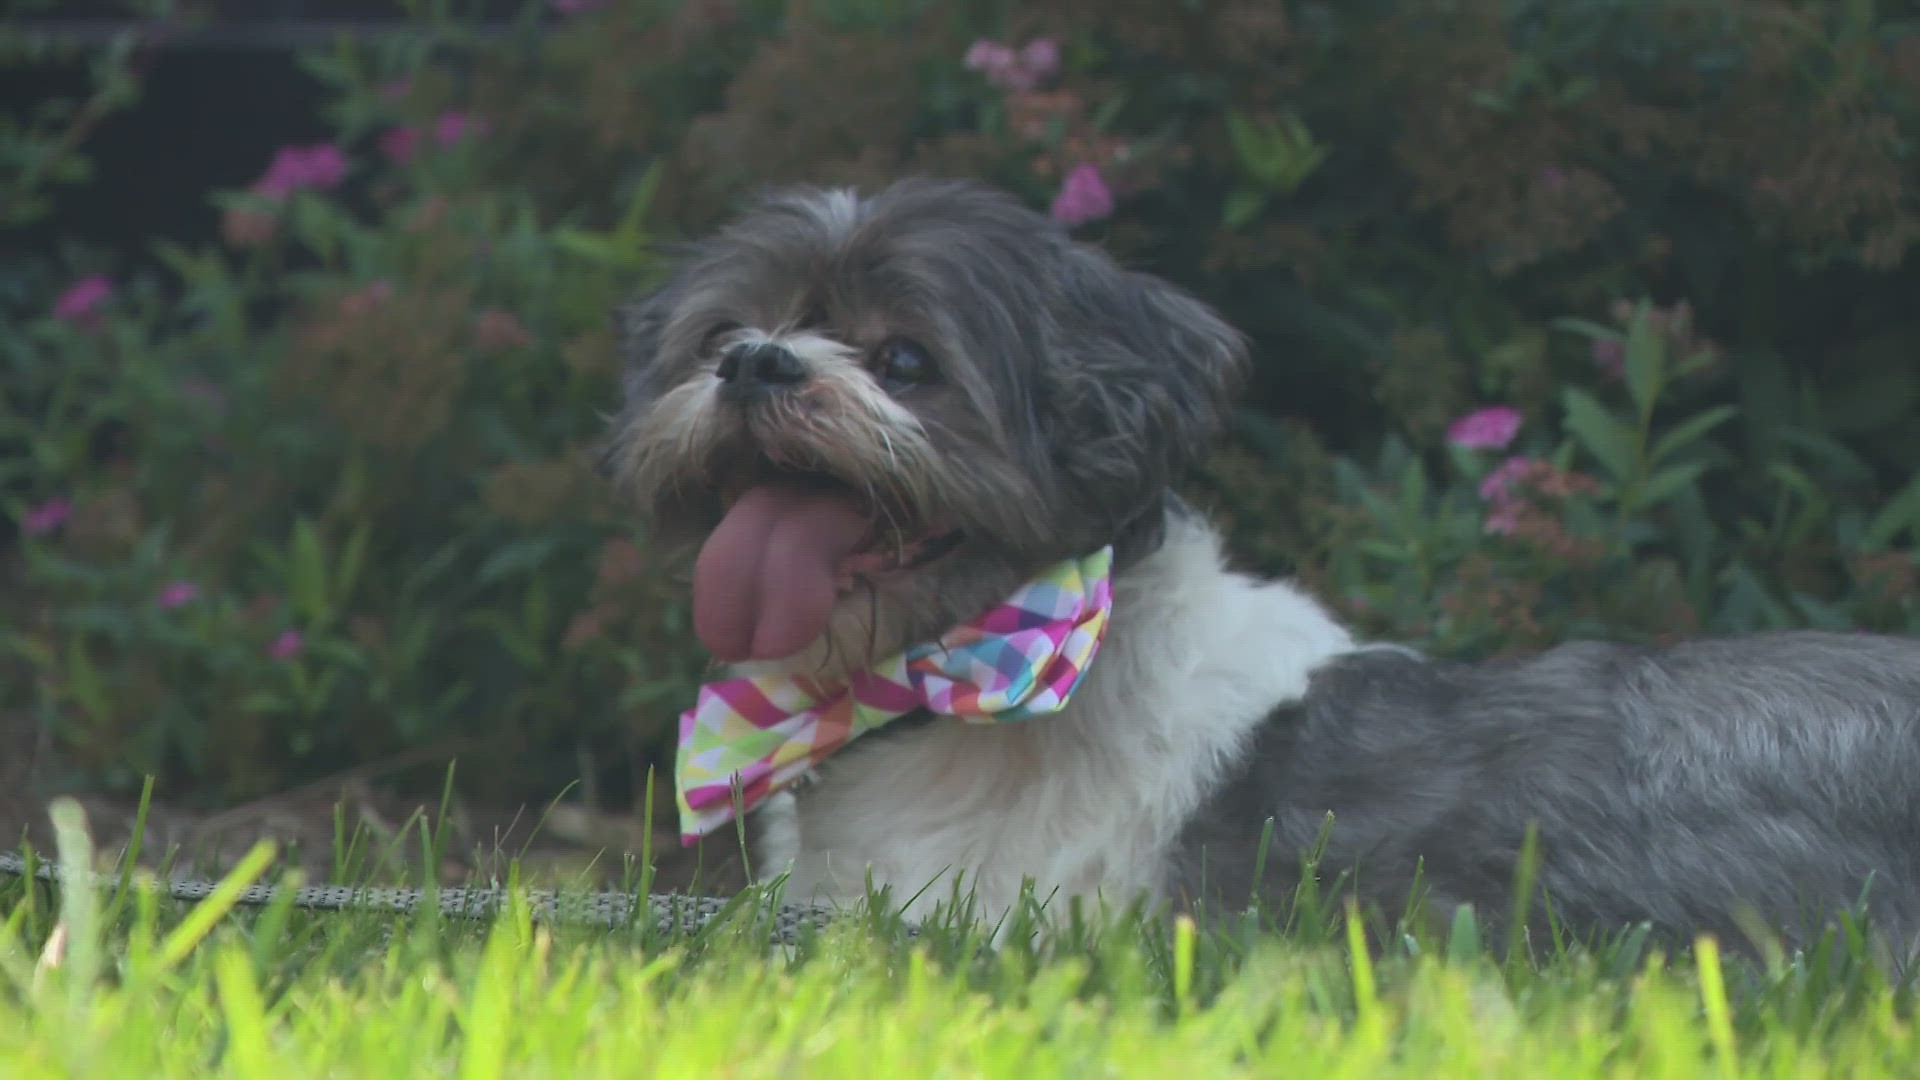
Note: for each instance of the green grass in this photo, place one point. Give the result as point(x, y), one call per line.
point(119, 983)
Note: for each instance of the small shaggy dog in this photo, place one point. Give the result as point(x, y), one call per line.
point(877, 417)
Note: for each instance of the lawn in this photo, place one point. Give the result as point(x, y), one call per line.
point(116, 982)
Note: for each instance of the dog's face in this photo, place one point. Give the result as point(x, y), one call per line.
point(876, 417)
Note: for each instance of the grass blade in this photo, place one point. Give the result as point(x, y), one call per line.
point(201, 920)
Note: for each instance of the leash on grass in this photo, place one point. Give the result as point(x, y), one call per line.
point(671, 912)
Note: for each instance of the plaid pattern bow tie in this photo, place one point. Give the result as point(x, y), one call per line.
point(1020, 659)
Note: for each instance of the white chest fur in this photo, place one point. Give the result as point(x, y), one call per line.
point(1086, 802)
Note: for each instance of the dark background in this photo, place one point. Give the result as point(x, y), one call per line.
point(217, 100)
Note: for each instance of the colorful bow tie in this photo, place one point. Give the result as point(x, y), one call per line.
point(1020, 659)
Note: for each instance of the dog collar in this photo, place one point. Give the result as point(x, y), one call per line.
point(1020, 659)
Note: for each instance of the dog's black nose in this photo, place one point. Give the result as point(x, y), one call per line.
point(763, 363)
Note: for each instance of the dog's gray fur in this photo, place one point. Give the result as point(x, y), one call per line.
point(1776, 774)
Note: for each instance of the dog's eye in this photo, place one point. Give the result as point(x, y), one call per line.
point(902, 363)
point(712, 340)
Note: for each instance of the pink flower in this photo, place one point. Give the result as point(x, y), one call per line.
point(1504, 520)
point(1514, 488)
point(46, 517)
point(178, 594)
point(287, 645)
point(1010, 70)
point(399, 144)
point(989, 57)
point(1507, 488)
point(1488, 429)
point(452, 127)
point(1610, 356)
point(326, 167)
point(83, 298)
point(1498, 486)
point(402, 144)
point(496, 329)
point(1083, 197)
point(1041, 58)
point(295, 168)
point(361, 301)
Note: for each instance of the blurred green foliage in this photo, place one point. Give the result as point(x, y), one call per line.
point(319, 490)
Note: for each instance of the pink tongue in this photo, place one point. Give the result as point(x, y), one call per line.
point(763, 587)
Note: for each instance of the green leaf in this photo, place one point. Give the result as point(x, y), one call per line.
point(1463, 937)
point(1242, 207)
point(633, 220)
point(1607, 439)
point(644, 694)
point(515, 557)
point(1575, 91)
point(1747, 604)
point(83, 682)
point(536, 612)
point(1821, 616)
point(1413, 492)
point(1386, 550)
point(263, 701)
point(1690, 430)
point(1586, 328)
point(351, 560)
point(508, 635)
point(1693, 364)
point(307, 574)
point(1301, 166)
point(1246, 142)
point(1901, 512)
point(424, 574)
point(1789, 476)
point(1490, 100)
point(1382, 511)
point(1109, 110)
point(1645, 360)
point(1664, 484)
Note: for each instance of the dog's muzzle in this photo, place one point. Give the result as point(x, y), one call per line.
point(757, 371)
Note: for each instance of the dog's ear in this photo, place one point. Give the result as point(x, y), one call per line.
point(1136, 386)
point(638, 326)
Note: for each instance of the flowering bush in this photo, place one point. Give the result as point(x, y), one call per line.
point(318, 490)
